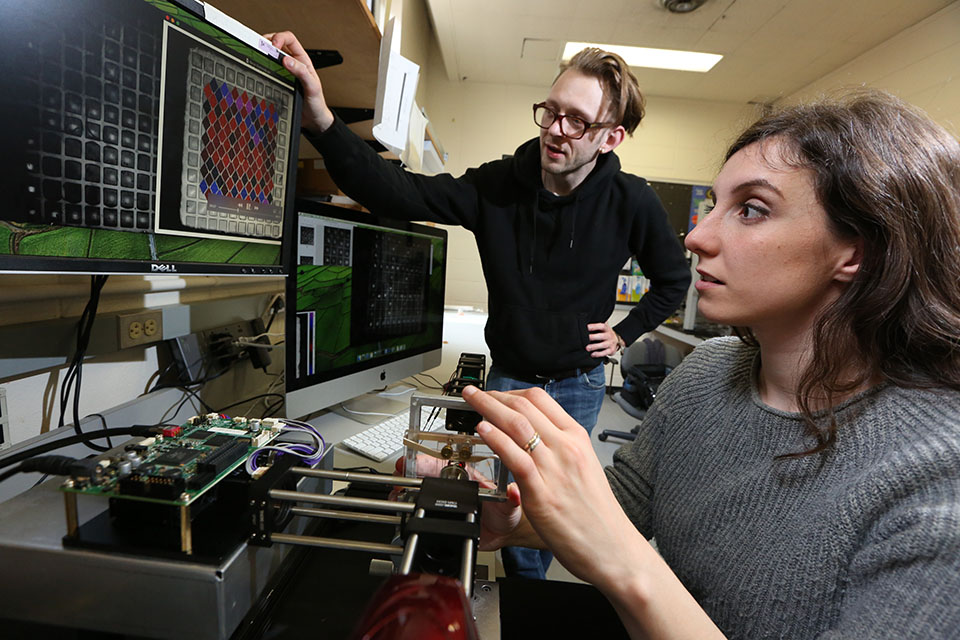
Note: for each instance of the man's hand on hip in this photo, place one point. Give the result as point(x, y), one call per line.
point(604, 341)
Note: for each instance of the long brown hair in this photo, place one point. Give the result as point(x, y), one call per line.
point(888, 175)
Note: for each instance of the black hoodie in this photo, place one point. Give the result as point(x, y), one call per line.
point(550, 262)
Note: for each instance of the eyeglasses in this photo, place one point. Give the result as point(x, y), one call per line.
point(570, 126)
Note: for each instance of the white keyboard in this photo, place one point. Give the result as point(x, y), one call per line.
point(385, 439)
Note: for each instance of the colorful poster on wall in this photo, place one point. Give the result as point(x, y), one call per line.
point(623, 288)
point(640, 286)
point(701, 199)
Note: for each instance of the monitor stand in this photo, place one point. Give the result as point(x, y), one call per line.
point(371, 408)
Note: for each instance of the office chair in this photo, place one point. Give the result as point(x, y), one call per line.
point(642, 367)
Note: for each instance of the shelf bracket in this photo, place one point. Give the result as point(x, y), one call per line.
point(323, 58)
point(351, 115)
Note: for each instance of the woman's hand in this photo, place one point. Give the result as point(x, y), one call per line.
point(316, 114)
point(568, 502)
point(566, 496)
point(499, 520)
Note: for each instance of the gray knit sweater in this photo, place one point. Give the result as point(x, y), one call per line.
point(861, 543)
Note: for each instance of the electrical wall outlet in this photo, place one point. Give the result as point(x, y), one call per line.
point(136, 329)
point(221, 347)
point(208, 352)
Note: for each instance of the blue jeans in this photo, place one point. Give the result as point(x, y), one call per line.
point(580, 396)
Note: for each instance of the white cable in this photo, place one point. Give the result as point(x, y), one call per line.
point(285, 447)
point(297, 423)
point(366, 413)
point(261, 335)
point(399, 393)
point(273, 301)
point(257, 345)
point(311, 432)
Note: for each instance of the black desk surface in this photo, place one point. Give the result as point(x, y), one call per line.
point(331, 588)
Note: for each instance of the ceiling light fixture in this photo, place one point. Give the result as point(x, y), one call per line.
point(681, 6)
point(653, 58)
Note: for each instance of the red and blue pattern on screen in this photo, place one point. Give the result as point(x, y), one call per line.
point(239, 144)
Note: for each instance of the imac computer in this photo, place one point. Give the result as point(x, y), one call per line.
point(364, 304)
point(143, 136)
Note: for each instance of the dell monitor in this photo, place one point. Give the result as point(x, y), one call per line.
point(142, 136)
point(364, 304)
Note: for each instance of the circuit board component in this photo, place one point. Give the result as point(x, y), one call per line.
point(179, 465)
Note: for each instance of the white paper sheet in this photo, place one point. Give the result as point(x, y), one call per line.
point(396, 87)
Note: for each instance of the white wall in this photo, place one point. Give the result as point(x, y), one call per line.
point(921, 65)
point(111, 379)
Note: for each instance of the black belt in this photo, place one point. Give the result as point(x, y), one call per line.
point(543, 378)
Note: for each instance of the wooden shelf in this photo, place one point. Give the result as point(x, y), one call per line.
point(344, 25)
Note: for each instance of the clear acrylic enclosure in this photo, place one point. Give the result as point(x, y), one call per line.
point(432, 450)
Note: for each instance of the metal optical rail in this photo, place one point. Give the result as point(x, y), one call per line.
point(444, 522)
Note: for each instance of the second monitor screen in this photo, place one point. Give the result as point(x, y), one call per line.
point(365, 294)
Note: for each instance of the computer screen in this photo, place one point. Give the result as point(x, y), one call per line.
point(364, 304)
point(142, 136)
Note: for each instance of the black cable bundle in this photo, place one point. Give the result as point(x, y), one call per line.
point(20, 456)
point(55, 465)
point(74, 376)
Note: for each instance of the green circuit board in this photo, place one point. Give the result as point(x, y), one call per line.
point(179, 466)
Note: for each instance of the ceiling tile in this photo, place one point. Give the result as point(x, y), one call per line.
point(539, 49)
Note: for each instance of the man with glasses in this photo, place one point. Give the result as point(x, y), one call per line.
point(554, 225)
